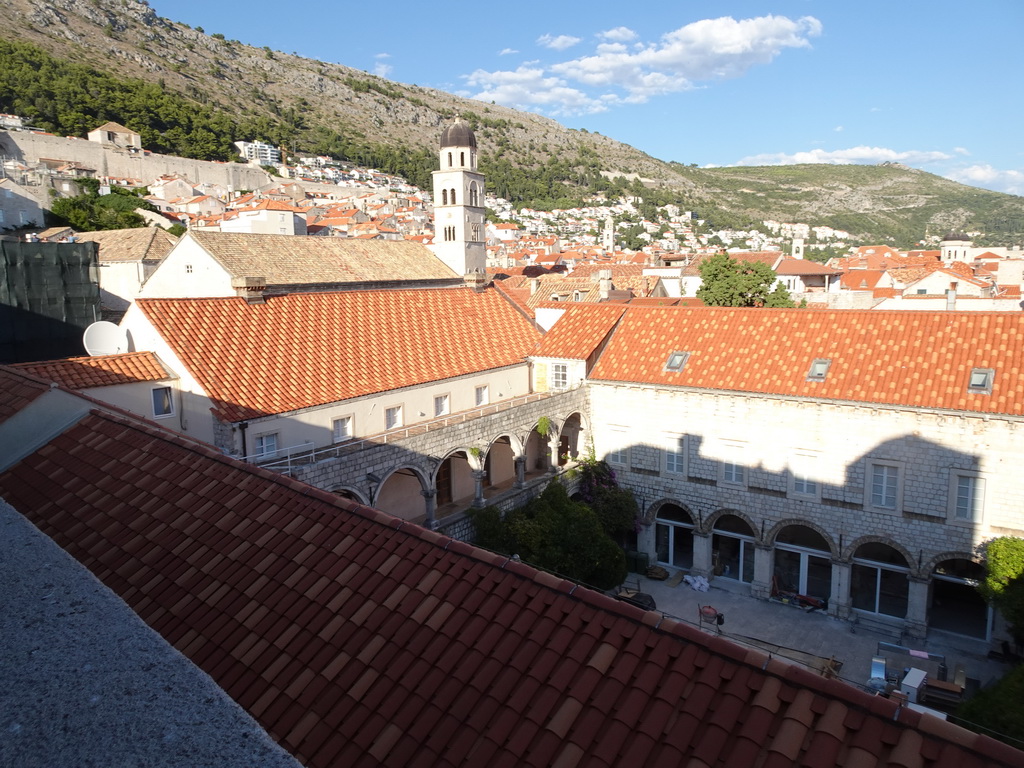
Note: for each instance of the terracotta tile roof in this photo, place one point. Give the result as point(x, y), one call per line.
point(140, 244)
point(307, 349)
point(17, 390)
point(579, 331)
point(290, 260)
point(100, 371)
point(804, 267)
point(861, 279)
point(917, 359)
point(356, 639)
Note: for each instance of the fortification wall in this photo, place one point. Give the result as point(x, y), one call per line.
point(30, 148)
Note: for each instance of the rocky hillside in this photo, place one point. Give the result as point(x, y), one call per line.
point(317, 104)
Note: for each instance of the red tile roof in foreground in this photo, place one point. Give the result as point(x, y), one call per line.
point(917, 359)
point(100, 371)
point(357, 639)
point(18, 390)
point(308, 349)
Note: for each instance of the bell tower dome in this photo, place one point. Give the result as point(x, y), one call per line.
point(459, 216)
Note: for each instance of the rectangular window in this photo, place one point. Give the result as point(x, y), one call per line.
point(342, 429)
point(559, 376)
point(884, 486)
point(802, 473)
point(266, 446)
point(393, 417)
point(733, 473)
point(967, 493)
point(675, 456)
point(163, 402)
point(482, 395)
point(442, 405)
point(618, 456)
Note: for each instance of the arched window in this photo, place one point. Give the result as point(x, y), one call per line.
point(674, 536)
point(473, 194)
point(732, 549)
point(878, 580)
point(444, 197)
point(449, 159)
point(462, 158)
point(453, 195)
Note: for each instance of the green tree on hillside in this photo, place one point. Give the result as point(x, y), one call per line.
point(726, 282)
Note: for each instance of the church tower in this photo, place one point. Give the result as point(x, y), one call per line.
point(459, 218)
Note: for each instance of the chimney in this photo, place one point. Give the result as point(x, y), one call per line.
point(534, 285)
point(250, 288)
point(951, 297)
point(604, 285)
point(476, 280)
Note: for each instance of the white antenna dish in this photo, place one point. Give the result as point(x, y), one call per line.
point(105, 338)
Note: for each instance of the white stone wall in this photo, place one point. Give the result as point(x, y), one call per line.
point(836, 443)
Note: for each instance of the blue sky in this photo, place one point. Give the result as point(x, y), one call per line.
point(933, 84)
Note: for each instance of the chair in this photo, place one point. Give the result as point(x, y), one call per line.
point(708, 614)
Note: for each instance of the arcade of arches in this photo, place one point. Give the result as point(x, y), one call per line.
point(430, 489)
point(793, 561)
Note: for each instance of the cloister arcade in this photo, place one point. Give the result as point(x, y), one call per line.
point(874, 578)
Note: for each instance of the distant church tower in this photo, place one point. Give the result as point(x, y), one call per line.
point(608, 236)
point(459, 218)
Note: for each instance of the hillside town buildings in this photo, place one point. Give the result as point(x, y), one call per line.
point(314, 415)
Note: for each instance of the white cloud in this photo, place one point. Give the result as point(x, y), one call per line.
point(381, 69)
point(984, 175)
point(961, 151)
point(618, 35)
point(852, 155)
point(528, 86)
point(507, 51)
point(559, 43)
point(705, 50)
point(617, 74)
point(838, 129)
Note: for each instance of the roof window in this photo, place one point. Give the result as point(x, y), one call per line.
point(819, 369)
point(981, 381)
point(677, 361)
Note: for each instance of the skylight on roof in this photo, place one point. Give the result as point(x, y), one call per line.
point(981, 381)
point(819, 369)
point(677, 361)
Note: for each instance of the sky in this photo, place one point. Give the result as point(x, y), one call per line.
point(933, 84)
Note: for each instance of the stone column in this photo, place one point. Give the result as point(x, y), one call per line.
point(478, 488)
point(917, 607)
point(430, 502)
point(553, 443)
point(840, 602)
point(520, 462)
point(761, 586)
point(701, 555)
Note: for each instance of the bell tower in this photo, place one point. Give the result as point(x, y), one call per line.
point(459, 218)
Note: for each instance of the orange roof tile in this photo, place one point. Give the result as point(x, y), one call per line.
point(18, 388)
point(927, 361)
point(99, 371)
point(358, 639)
point(579, 331)
point(307, 349)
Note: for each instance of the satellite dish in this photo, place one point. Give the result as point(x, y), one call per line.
point(105, 338)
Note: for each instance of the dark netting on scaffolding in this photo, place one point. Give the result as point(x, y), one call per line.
point(49, 295)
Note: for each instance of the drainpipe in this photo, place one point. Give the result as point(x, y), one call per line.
point(244, 425)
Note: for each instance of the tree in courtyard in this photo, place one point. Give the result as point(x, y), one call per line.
point(557, 534)
point(726, 282)
point(1004, 581)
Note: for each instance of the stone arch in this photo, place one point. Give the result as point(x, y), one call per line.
point(499, 460)
point(932, 563)
point(847, 554)
point(400, 492)
point(776, 529)
point(452, 477)
point(351, 493)
point(536, 447)
point(514, 440)
point(572, 433)
point(652, 511)
point(718, 514)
